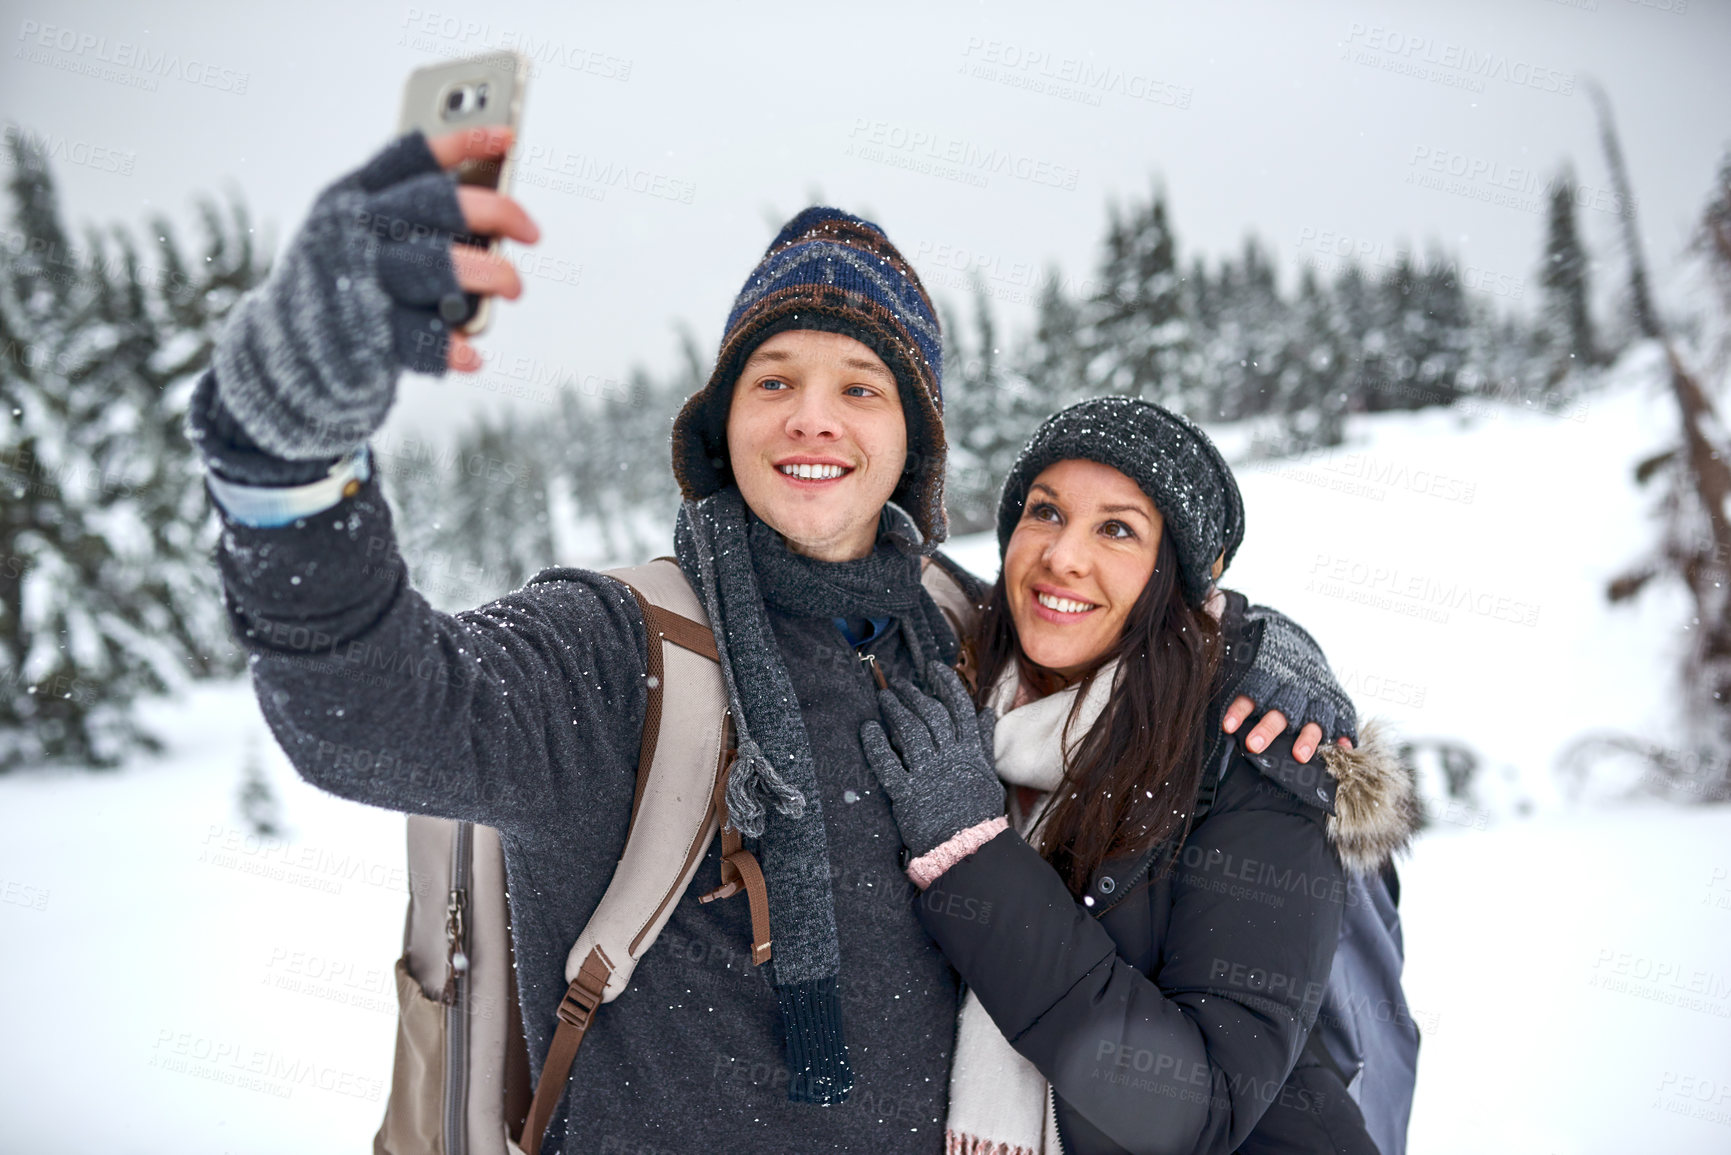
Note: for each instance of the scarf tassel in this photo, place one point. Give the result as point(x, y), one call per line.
point(751, 783)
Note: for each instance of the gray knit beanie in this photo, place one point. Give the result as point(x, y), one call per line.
point(1168, 456)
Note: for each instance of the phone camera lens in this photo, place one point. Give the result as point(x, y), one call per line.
point(454, 100)
point(480, 97)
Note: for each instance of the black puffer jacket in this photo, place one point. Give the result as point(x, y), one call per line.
point(1174, 1017)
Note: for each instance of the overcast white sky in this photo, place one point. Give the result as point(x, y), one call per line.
point(983, 132)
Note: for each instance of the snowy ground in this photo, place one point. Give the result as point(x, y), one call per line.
point(175, 984)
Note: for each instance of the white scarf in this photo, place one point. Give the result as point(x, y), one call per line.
point(999, 1102)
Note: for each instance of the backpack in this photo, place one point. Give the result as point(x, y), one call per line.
point(1365, 1026)
point(460, 1079)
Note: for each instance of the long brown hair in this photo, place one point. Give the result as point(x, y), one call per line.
point(1133, 781)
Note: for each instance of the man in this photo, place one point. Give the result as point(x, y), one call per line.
point(812, 464)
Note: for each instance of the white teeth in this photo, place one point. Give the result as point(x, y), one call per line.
point(1063, 605)
point(813, 472)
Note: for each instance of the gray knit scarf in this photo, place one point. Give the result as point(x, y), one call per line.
point(739, 567)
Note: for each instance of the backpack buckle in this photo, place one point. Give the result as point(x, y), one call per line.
point(583, 996)
point(725, 890)
point(578, 1007)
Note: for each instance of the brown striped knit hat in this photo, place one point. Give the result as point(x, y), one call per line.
point(836, 273)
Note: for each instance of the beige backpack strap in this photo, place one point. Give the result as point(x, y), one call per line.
point(955, 604)
point(680, 775)
point(739, 868)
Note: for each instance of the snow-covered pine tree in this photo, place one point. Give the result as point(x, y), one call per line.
point(498, 516)
point(1566, 322)
point(1443, 343)
point(992, 403)
point(418, 489)
point(1404, 314)
point(1205, 300)
point(472, 517)
point(967, 402)
point(167, 337)
point(1358, 303)
point(1427, 328)
point(612, 497)
point(105, 589)
point(1208, 303)
point(1316, 360)
point(259, 806)
point(1216, 336)
point(1248, 349)
point(1052, 358)
point(1138, 332)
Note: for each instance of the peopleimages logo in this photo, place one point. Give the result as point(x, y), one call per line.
point(1457, 65)
point(1416, 595)
point(87, 53)
point(1514, 186)
point(1071, 78)
point(935, 153)
point(583, 168)
point(450, 35)
point(238, 1063)
point(67, 150)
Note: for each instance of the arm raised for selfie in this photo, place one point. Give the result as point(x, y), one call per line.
point(372, 694)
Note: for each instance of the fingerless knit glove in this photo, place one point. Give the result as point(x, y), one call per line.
point(1292, 675)
point(309, 362)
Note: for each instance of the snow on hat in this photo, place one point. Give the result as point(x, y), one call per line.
point(837, 273)
point(1173, 461)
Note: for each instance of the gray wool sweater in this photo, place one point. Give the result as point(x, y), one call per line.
point(525, 715)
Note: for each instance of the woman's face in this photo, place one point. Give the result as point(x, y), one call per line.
point(1077, 562)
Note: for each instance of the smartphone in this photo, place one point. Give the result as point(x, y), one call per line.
point(475, 92)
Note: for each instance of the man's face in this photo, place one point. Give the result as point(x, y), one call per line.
point(817, 441)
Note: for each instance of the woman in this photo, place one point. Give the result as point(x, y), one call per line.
point(1148, 933)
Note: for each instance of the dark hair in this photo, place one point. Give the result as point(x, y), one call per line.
point(1132, 784)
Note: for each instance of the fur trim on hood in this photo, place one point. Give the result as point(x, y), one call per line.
point(1376, 809)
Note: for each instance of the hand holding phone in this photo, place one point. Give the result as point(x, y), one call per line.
point(470, 110)
point(482, 272)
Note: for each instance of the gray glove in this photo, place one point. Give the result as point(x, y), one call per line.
point(1291, 675)
point(945, 779)
point(309, 361)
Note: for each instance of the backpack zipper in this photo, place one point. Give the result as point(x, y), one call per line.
point(456, 994)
